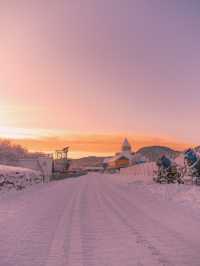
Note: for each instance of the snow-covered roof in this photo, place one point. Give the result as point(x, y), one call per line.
point(125, 154)
point(107, 160)
point(134, 158)
point(5, 169)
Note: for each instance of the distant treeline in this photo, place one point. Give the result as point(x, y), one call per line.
point(14, 152)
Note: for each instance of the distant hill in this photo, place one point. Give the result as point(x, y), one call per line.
point(86, 162)
point(154, 152)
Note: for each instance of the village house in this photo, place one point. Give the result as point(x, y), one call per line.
point(126, 157)
point(123, 158)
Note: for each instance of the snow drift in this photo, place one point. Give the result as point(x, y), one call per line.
point(142, 175)
point(141, 172)
point(17, 177)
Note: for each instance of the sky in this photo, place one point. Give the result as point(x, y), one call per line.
point(89, 73)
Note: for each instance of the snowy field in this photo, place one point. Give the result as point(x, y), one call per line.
point(98, 219)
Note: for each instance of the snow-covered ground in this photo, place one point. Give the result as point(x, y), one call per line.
point(99, 219)
point(17, 178)
point(143, 169)
point(142, 174)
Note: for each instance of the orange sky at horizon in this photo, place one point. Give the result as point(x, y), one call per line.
point(84, 143)
point(94, 144)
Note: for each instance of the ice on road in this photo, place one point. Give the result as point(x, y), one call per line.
point(96, 220)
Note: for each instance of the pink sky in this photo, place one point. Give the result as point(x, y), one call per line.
point(102, 67)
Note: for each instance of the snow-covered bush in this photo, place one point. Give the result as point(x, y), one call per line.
point(18, 178)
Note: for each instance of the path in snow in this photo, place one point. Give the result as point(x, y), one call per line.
point(95, 220)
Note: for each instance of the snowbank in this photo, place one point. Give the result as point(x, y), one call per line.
point(142, 175)
point(180, 160)
point(145, 169)
point(184, 194)
point(17, 177)
point(139, 173)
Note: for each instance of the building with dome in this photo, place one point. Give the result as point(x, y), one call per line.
point(122, 158)
point(126, 157)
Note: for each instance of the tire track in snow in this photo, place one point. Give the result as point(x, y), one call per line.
point(26, 238)
point(176, 244)
point(60, 246)
point(74, 248)
point(92, 221)
point(105, 239)
point(139, 254)
point(145, 247)
point(173, 245)
point(97, 232)
point(87, 224)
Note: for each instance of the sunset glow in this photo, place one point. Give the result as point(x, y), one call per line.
point(88, 75)
point(92, 144)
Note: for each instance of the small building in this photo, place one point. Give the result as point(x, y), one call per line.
point(121, 159)
point(125, 158)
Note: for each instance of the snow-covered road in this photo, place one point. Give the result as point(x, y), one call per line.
point(96, 220)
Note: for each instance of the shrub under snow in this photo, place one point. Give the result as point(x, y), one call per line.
point(17, 177)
